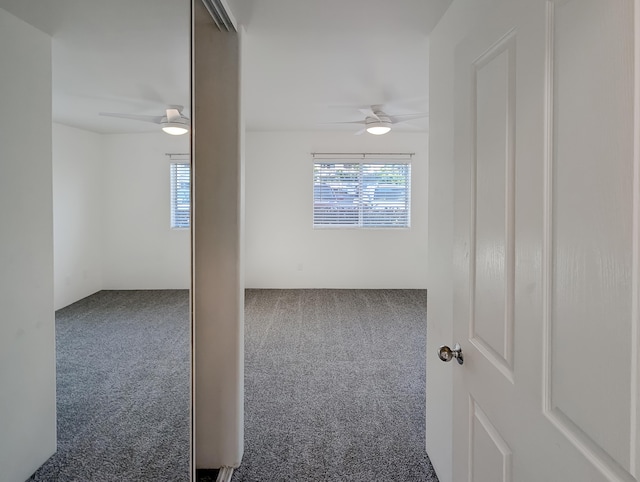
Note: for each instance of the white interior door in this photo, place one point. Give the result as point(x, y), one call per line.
point(546, 245)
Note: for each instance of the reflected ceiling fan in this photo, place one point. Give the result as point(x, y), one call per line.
point(377, 121)
point(173, 122)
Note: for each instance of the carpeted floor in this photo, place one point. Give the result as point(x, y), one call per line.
point(123, 389)
point(334, 387)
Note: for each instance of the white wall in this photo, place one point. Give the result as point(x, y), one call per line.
point(282, 248)
point(442, 41)
point(77, 214)
point(141, 251)
point(27, 339)
point(111, 214)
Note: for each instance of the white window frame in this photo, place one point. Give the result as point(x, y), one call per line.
point(180, 218)
point(352, 202)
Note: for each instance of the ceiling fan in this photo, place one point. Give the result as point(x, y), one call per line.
point(378, 122)
point(173, 122)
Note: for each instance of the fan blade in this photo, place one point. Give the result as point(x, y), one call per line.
point(155, 119)
point(173, 115)
point(360, 132)
point(396, 119)
point(412, 127)
point(343, 122)
point(369, 112)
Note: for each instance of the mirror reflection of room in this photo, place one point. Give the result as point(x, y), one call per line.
point(100, 239)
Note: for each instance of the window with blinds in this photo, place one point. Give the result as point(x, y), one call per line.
point(180, 195)
point(361, 194)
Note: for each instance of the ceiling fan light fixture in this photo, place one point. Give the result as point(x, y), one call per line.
point(378, 128)
point(175, 128)
point(379, 124)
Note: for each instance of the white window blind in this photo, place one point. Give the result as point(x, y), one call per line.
point(361, 194)
point(180, 194)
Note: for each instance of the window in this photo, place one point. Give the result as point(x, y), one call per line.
point(180, 194)
point(361, 194)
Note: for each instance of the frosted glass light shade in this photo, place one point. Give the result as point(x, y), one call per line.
point(378, 130)
point(175, 128)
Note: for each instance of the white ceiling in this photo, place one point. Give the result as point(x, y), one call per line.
point(306, 61)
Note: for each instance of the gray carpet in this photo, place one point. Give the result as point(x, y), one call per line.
point(123, 389)
point(335, 386)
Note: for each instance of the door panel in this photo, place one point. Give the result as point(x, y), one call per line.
point(485, 243)
point(590, 227)
point(490, 456)
point(546, 243)
point(491, 316)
